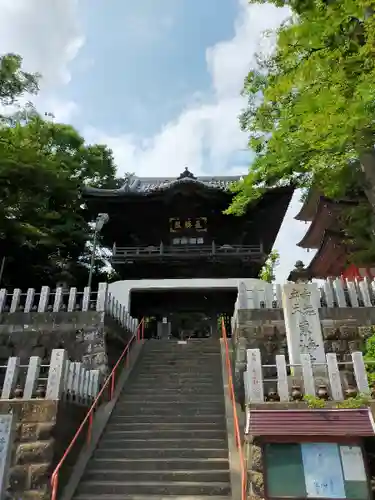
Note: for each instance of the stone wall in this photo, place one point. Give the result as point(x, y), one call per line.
point(88, 336)
point(344, 330)
point(43, 431)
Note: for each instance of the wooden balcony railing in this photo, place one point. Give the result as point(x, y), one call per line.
point(122, 254)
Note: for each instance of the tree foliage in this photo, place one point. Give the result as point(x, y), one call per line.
point(369, 358)
point(14, 82)
point(43, 165)
point(267, 272)
point(311, 104)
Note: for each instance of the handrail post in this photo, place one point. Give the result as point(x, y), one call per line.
point(112, 384)
point(55, 484)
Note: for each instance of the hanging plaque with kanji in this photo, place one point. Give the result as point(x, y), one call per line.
point(193, 224)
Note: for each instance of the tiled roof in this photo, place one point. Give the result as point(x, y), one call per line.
point(144, 185)
point(326, 422)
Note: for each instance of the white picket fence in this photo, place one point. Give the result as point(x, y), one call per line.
point(65, 379)
point(310, 376)
point(333, 293)
point(69, 301)
point(119, 312)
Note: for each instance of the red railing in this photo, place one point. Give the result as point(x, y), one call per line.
point(109, 383)
point(235, 416)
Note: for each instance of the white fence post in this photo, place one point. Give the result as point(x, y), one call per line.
point(43, 300)
point(86, 298)
point(11, 376)
point(72, 299)
point(282, 378)
point(101, 297)
point(242, 296)
point(29, 300)
point(334, 377)
point(340, 295)
point(55, 383)
point(94, 383)
point(15, 300)
point(77, 379)
point(3, 297)
point(360, 372)
point(58, 300)
point(32, 376)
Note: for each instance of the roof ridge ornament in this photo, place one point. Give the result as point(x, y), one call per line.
point(186, 174)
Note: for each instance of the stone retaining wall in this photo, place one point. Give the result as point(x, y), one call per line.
point(43, 431)
point(344, 330)
point(88, 336)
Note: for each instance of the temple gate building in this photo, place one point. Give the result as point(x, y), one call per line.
point(166, 229)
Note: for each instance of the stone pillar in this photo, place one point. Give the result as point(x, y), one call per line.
point(303, 328)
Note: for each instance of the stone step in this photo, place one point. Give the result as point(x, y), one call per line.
point(193, 355)
point(175, 376)
point(154, 453)
point(184, 368)
point(189, 403)
point(159, 464)
point(154, 488)
point(197, 443)
point(172, 381)
point(212, 360)
point(163, 411)
point(169, 419)
point(190, 346)
point(167, 399)
point(148, 497)
point(171, 385)
point(207, 476)
point(182, 390)
point(176, 368)
point(130, 426)
point(114, 433)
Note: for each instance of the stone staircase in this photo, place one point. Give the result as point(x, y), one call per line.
point(166, 437)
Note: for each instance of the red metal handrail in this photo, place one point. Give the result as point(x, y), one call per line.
point(109, 382)
point(235, 416)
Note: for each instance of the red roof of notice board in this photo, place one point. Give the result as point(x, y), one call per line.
point(327, 422)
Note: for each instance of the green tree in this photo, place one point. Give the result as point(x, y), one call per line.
point(14, 82)
point(267, 272)
point(43, 165)
point(311, 104)
point(369, 358)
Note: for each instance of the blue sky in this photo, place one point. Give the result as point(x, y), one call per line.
point(159, 81)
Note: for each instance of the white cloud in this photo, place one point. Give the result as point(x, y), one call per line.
point(290, 234)
point(204, 129)
point(47, 35)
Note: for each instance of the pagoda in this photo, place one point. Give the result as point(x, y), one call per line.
point(326, 237)
point(161, 228)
